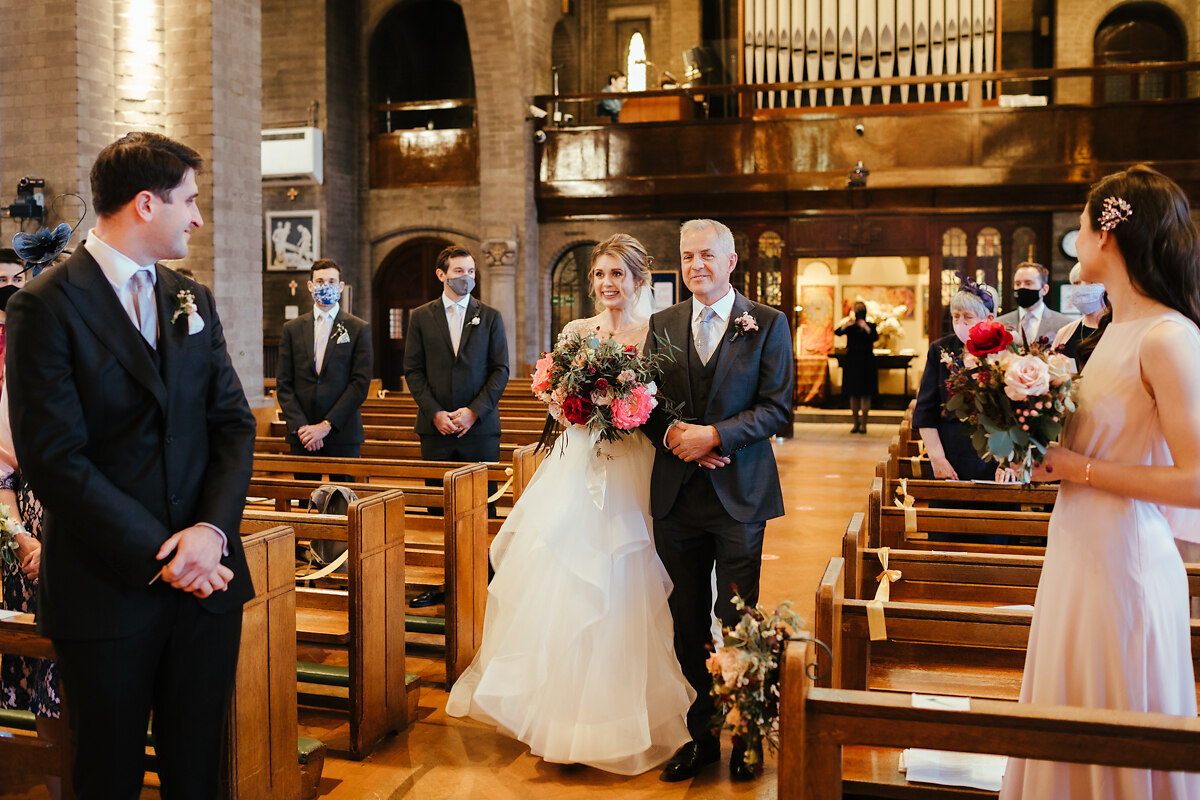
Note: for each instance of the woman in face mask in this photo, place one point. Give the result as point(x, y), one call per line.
point(1079, 338)
point(950, 450)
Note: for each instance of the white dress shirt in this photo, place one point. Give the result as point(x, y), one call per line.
point(118, 269)
point(722, 308)
point(461, 303)
point(1036, 312)
point(321, 334)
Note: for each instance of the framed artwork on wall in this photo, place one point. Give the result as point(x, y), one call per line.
point(293, 239)
point(665, 286)
point(816, 320)
point(884, 295)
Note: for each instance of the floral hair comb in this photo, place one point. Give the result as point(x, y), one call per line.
point(1114, 212)
point(968, 284)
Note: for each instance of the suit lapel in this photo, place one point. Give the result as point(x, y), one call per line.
point(171, 335)
point(97, 304)
point(727, 351)
point(438, 309)
point(679, 329)
point(308, 340)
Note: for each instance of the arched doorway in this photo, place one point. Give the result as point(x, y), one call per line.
point(1137, 33)
point(404, 281)
point(569, 288)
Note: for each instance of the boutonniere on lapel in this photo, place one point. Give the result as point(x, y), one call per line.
point(474, 320)
point(743, 325)
point(185, 304)
point(340, 336)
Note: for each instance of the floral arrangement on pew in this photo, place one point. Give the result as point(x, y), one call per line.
point(745, 674)
point(10, 526)
point(1013, 399)
point(601, 384)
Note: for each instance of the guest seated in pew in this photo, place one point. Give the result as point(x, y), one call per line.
point(456, 367)
point(324, 373)
point(950, 450)
point(1111, 624)
point(1078, 339)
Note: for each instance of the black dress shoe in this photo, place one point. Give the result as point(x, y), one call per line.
point(689, 760)
point(738, 769)
point(425, 599)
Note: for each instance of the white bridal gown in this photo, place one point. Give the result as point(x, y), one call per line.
point(577, 659)
point(1110, 625)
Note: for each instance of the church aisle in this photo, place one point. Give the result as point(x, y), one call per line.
point(825, 473)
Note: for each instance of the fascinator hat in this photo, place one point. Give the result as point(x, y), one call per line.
point(968, 284)
point(42, 247)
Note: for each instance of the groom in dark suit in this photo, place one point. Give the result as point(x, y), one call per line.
point(324, 373)
point(714, 483)
point(133, 430)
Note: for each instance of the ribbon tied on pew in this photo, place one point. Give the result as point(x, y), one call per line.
point(876, 626)
point(910, 511)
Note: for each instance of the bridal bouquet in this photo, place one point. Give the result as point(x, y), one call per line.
point(603, 385)
point(1013, 399)
point(745, 674)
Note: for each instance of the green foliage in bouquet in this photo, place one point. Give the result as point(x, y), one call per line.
point(745, 672)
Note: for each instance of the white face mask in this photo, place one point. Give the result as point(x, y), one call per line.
point(963, 331)
point(1088, 298)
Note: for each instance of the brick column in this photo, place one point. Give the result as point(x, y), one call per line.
point(213, 103)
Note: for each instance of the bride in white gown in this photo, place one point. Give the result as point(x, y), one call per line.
point(578, 660)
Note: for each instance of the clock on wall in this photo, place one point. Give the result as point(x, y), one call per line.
point(1067, 243)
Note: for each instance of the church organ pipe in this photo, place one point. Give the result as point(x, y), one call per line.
point(823, 40)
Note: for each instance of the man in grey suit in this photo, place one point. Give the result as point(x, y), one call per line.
point(1034, 318)
point(714, 483)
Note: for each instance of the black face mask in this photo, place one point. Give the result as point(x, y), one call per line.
point(1028, 298)
point(6, 293)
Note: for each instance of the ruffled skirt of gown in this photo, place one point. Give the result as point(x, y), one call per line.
point(577, 659)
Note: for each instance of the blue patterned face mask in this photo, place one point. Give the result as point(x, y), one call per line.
point(1088, 298)
point(327, 294)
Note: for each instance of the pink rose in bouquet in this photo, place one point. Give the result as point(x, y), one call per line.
point(1026, 376)
point(1062, 367)
point(541, 373)
point(634, 409)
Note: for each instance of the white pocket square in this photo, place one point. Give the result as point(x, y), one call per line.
point(343, 339)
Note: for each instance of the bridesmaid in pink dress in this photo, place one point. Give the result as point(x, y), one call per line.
point(1111, 621)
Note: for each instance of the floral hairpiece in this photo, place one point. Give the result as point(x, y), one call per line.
point(969, 285)
point(1115, 211)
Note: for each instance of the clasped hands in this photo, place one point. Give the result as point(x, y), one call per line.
point(313, 436)
point(697, 443)
point(196, 567)
point(458, 421)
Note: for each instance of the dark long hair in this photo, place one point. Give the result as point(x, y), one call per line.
point(1158, 241)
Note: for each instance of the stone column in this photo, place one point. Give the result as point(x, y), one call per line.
point(213, 103)
point(500, 272)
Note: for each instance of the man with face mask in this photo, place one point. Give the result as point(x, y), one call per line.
point(456, 367)
point(1033, 319)
point(324, 372)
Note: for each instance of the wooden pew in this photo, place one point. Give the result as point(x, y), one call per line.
point(927, 489)
point(933, 648)
point(366, 621)
point(447, 549)
point(405, 451)
point(261, 761)
point(844, 741)
point(397, 433)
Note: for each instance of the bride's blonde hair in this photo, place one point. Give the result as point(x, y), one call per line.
point(626, 249)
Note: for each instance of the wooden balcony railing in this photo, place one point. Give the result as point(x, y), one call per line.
point(424, 143)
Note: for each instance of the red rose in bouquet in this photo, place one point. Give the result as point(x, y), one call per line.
point(988, 337)
point(577, 410)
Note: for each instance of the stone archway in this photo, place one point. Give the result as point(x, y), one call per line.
point(405, 280)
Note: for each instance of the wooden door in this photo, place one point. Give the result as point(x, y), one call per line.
point(404, 281)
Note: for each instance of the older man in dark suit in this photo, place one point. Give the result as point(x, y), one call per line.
point(324, 373)
point(714, 483)
point(133, 431)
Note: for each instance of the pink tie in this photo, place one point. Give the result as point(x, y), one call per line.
point(143, 304)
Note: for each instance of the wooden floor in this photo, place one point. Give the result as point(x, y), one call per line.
point(826, 473)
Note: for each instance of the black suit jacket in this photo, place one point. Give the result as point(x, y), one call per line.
point(337, 394)
point(750, 401)
point(439, 380)
point(122, 454)
point(930, 412)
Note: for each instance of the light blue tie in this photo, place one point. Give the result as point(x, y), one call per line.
point(705, 341)
point(143, 304)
